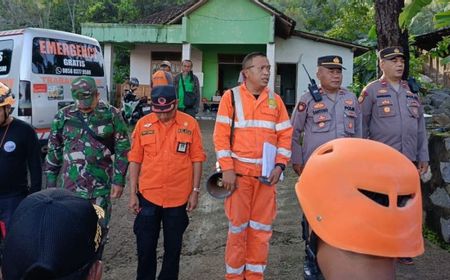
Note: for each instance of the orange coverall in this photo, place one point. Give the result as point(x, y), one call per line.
point(251, 208)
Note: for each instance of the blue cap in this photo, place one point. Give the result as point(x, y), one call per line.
point(52, 234)
point(163, 99)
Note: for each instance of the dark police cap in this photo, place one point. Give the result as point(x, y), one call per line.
point(391, 52)
point(163, 98)
point(53, 233)
point(330, 61)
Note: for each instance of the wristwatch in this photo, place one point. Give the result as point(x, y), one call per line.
point(196, 189)
point(282, 166)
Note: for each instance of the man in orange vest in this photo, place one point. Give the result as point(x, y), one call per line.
point(165, 169)
point(249, 116)
point(163, 76)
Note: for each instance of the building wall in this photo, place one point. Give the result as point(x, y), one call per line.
point(229, 22)
point(141, 61)
point(205, 59)
point(210, 63)
point(304, 51)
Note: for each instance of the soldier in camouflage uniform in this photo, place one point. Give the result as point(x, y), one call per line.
point(82, 162)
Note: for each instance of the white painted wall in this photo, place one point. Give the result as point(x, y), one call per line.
point(299, 50)
point(140, 60)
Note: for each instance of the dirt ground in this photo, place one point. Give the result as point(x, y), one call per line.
point(204, 241)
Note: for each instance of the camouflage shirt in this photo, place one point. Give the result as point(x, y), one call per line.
point(79, 162)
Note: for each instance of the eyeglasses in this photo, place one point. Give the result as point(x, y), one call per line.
point(260, 68)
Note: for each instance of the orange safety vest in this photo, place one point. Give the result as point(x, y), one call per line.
point(161, 78)
point(256, 121)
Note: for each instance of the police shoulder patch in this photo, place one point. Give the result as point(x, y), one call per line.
point(301, 106)
point(362, 96)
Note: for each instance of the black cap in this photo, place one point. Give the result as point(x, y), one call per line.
point(53, 233)
point(163, 99)
point(391, 52)
point(330, 61)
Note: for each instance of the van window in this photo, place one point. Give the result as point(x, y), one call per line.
point(6, 47)
point(66, 58)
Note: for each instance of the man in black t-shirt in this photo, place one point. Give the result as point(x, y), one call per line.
point(20, 158)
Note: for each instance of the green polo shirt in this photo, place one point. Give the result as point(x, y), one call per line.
point(189, 85)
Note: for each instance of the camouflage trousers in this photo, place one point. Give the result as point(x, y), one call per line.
point(101, 198)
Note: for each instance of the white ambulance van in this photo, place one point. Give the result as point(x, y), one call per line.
point(39, 65)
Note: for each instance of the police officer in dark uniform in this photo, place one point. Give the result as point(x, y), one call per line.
point(336, 115)
point(393, 114)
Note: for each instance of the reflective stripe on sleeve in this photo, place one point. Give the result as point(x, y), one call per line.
point(223, 119)
point(237, 229)
point(223, 153)
point(260, 226)
point(284, 152)
point(283, 125)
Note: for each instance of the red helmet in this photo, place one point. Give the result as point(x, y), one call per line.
point(363, 196)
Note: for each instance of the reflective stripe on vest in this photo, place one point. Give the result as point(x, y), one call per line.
point(247, 160)
point(241, 121)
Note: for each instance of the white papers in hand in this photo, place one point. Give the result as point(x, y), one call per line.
point(268, 160)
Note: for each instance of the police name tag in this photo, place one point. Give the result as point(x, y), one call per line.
point(182, 147)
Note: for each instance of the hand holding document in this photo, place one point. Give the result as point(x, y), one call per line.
point(268, 162)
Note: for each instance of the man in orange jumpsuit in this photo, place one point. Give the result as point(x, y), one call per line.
point(257, 116)
point(165, 170)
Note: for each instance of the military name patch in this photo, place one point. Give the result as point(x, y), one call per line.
point(147, 132)
point(301, 107)
point(185, 131)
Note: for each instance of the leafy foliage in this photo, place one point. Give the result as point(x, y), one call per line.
point(434, 238)
point(418, 13)
point(442, 50)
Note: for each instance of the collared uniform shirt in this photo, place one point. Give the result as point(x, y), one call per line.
point(394, 118)
point(256, 121)
point(166, 155)
point(77, 161)
point(316, 123)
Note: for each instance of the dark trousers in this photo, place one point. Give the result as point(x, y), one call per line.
point(190, 111)
point(147, 227)
point(8, 205)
